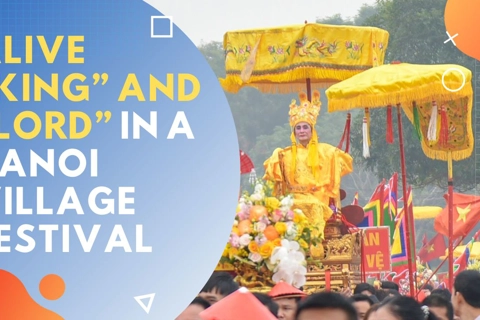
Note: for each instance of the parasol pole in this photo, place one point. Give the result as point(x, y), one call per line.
point(450, 222)
point(405, 202)
point(309, 90)
point(309, 83)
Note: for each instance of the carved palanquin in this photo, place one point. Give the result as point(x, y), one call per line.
point(337, 269)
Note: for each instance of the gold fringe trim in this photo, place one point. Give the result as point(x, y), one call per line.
point(281, 88)
point(290, 80)
point(457, 155)
point(420, 94)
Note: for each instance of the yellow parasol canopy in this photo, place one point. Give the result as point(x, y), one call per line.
point(474, 253)
point(423, 213)
point(416, 88)
point(281, 59)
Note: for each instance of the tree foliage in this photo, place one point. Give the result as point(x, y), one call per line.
point(417, 35)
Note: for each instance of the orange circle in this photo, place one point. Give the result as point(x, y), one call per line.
point(462, 23)
point(52, 287)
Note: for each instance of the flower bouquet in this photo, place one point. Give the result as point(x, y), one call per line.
point(268, 240)
point(424, 276)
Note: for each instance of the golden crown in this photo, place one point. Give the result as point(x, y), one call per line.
point(307, 111)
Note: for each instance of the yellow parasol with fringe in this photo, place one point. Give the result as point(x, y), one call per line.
point(458, 251)
point(442, 91)
point(437, 99)
point(282, 59)
point(425, 213)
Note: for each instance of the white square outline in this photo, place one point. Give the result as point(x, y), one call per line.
point(152, 24)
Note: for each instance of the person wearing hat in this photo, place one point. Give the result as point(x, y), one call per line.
point(239, 305)
point(286, 297)
point(309, 170)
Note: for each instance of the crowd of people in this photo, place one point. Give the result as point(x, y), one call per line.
point(223, 299)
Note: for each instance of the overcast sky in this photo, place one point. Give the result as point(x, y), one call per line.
point(207, 20)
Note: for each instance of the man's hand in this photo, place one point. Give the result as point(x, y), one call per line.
point(347, 292)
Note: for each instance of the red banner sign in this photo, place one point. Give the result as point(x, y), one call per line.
point(376, 250)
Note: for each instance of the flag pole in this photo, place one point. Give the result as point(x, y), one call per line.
point(405, 203)
point(450, 222)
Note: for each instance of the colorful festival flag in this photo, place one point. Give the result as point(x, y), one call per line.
point(382, 210)
point(399, 243)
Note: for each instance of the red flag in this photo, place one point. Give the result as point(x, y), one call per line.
point(466, 213)
point(424, 240)
point(434, 249)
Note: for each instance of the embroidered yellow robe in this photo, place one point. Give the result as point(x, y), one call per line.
point(311, 195)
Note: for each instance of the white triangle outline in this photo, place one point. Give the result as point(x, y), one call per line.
point(147, 307)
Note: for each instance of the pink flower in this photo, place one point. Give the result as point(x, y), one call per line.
point(242, 215)
point(244, 240)
point(279, 50)
point(260, 226)
point(290, 215)
point(234, 240)
point(260, 239)
point(265, 221)
point(255, 257)
point(277, 215)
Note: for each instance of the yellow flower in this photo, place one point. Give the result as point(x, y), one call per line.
point(298, 217)
point(299, 230)
point(235, 230)
point(277, 242)
point(232, 252)
point(242, 253)
point(253, 247)
point(272, 204)
point(226, 250)
point(281, 227)
point(266, 249)
point(303, 243)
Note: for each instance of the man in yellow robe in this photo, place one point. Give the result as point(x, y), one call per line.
point(309, 170)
